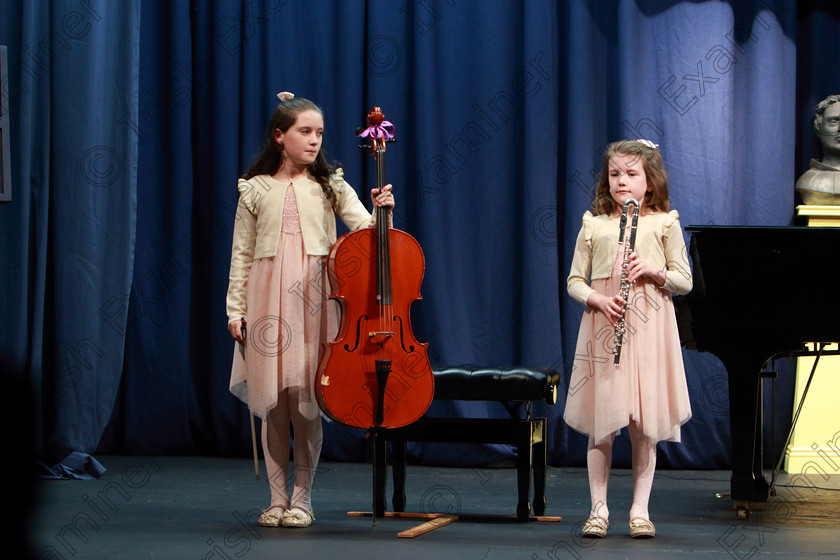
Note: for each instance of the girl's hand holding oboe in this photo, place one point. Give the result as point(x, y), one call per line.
point(610, 306)
point(637, 268)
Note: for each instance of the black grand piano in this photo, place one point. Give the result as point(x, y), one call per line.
point(750, 303)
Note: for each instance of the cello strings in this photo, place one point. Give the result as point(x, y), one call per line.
point(384, 267)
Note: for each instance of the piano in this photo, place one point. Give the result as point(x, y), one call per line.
point(750, 302)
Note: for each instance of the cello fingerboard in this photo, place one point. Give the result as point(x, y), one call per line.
point(383, 245)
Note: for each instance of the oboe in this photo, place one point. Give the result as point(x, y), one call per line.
point(624, 286)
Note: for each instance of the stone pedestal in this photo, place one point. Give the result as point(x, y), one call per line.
point(815, 444)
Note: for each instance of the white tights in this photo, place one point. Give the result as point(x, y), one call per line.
point(598, 461)
point(305, 417)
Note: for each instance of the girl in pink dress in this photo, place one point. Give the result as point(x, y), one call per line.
point(278, 304)
point(646, 392)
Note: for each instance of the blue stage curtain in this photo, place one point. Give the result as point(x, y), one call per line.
point(131, 124)
point(68, 234)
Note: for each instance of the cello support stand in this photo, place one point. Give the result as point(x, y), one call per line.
point(436, 520)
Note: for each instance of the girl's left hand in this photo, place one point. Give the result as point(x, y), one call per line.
point(384, 198)
point(637, 268)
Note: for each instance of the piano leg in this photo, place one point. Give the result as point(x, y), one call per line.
point(748, 486)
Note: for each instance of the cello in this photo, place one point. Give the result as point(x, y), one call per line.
point(375, 374)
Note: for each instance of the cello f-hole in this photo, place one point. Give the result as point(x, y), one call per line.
point(358, 330)
point(410, 348)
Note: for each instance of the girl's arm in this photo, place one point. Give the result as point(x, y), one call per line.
point(678, 270)
point(350, 209)
point(347, 205)
point(677, 274)
point(577, 284)
point(241, 259)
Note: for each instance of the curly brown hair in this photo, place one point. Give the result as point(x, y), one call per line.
point(656, 199)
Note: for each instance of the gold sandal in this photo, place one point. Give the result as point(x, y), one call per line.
point(296, 516)
point(595, 526)
point(641, 528)
point(272, 516)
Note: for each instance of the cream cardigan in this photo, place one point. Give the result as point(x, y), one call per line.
point(259, 219)
point(659, 242)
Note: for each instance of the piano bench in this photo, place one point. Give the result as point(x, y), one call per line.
point(512, 387)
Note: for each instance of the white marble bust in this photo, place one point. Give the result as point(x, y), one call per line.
point(820, 185)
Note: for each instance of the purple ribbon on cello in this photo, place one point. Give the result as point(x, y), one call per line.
point(385, 129)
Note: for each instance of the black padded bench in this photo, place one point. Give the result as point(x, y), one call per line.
point(513, 387)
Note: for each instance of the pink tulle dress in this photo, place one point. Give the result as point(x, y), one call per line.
point(648, 386)
point(290, 316)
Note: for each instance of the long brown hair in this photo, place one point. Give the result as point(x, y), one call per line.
point(656, 199)
point(270, 158)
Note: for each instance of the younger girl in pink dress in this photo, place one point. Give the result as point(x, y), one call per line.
point(646, 391)
point(277, 302)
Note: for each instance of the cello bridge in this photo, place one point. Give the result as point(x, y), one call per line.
point(379, 337)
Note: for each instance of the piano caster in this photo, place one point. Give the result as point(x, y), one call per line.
point(743, 509)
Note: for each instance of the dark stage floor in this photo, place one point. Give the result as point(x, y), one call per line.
point(204, 508)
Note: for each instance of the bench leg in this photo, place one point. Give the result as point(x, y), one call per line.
point(540, 458)
point(524, 466)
